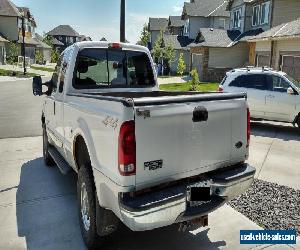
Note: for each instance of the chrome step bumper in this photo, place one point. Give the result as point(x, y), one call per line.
point(169, 206)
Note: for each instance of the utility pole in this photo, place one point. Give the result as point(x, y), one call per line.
point(23, 44)
point(122, 22)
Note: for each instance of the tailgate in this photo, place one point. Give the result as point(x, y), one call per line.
point(175, 139)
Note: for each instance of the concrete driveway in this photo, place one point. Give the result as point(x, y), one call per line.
point(38, 210)
point(275, 152)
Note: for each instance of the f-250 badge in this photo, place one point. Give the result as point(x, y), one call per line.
point(153, 165)
point(110, 122)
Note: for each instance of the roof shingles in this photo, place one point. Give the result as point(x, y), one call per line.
point(157, 24)
point(63, 30)
point(206, 8)
point(7, 8)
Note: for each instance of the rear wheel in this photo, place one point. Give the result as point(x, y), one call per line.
point(47, 157)
point(87, 207)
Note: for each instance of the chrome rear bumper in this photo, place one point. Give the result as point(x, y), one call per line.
point(169, 206)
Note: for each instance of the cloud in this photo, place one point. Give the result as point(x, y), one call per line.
point(177, 9)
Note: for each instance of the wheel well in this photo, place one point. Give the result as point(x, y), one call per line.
point(81, 153)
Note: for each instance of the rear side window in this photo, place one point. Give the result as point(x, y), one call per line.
point(278, 84)
point(251, 81)
point(98, 68)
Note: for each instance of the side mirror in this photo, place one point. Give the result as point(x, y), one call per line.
point(290, 91)
point(37, 86)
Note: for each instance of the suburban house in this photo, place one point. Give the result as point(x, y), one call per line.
point(43, 48)
point(3, 41)
point(279, 47)
point(11, 30)
point(179, 44)
point(155, 26)
point(175, 25)
point(204, 14)
point(216, 51)
point(66, 36)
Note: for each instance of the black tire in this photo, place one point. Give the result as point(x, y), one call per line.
point(89, 226)
point(47, 157)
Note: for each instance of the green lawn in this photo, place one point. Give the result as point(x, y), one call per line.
point(18, 74)
point(203, 87)
point(42, 68)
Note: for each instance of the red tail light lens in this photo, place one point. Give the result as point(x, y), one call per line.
point(221, 89)
point(127, 149)
point(248, 128)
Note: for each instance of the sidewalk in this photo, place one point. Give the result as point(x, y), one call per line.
point(29, 70)
point(174, 79)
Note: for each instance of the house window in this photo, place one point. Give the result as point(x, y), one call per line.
point(255, 16)
point(237, 18)
point(264, 14)
point(221, 23)
point(187, 27)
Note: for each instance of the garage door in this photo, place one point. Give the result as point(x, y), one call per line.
point(291, 65)
point(263, 60)
point(197, 63)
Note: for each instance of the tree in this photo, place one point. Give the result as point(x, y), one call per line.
point(145, 36)
point(39, 58)
point(195, 80)
point(158, 50)
point(54, 52)
point(169, 53)
point(181, 65)
point(12, 53)
point(54, 55)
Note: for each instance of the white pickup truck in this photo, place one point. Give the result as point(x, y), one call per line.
point(145, 157)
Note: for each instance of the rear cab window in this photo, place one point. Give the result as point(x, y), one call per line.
point(251, 81)
point(111, 68)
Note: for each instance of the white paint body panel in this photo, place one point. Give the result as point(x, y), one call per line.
point(186, 148)
point(266, 104)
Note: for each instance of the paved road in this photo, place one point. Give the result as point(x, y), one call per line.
point(20, 111)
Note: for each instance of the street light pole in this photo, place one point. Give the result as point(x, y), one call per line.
point(122, 22)
point(23, 45)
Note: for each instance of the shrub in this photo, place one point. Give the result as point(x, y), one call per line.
point(195, 80)
point(39, 58)
point(12, 53)
point(181, 65)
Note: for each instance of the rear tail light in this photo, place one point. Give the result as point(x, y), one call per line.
point(248, 128)
point(221, 88)
point(127, 149)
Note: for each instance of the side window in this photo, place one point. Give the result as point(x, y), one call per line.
point(251, 81)
point(56, 74)
point(64, 67)
point(279, 84)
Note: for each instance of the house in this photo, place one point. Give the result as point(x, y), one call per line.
point(216, 51)
point(175, 25)
point(3, 43)
point(180, 45)
point(43, 48)
point(29, 27)
point(66, 36)
point(155, 26)
point(9, 19)
point(204, 14)
point(250, 14)
point(279, 47)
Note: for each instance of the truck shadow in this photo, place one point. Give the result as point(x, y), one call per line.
point(277, 131)
point(46, 211)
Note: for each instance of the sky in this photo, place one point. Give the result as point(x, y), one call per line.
point(99, 18)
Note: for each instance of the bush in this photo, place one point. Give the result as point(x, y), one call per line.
point(195, 80)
